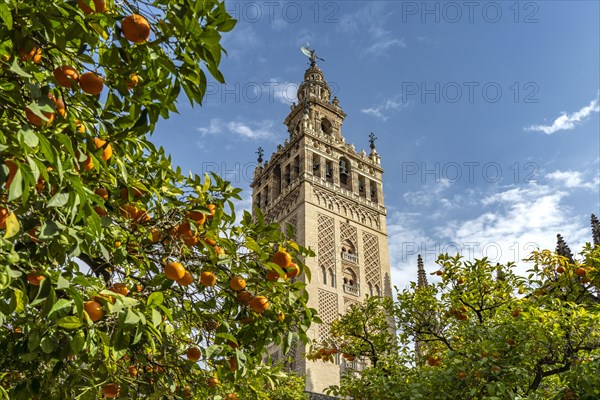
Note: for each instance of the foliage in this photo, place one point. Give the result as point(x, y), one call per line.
point(98, 220)
point(485, 332)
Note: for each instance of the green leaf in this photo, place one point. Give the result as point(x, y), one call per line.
point(156, 317)
point(12, 226)
point(62, 283)
point(6, 16)
point(17, 69)
point(69, 322)
point(62, 305)
point(48, 345)
point(58, 200)
point(131, 318)
point(155, 299)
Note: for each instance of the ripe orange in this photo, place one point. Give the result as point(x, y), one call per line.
point(88, 164)
point(207, 278)
point(292, 270)
point(580, 271)
point(12, 171)
point(272, 276)
point(212, 208)
point(439, 272)
point(102, 193)
point(100, 211)
point(65, 75)
point(232, 396)
point(79, 125)
point(462, 375)
point(129, 211)
point(35, 54)
point(120, 288)
point(516, 312)
point(37, 121)
point(99, 6)
point(282, 258)
point(212, 382)
point(233, 364)
point(237, 283)
point(208, 241)
point(434, 361)
point(59, 104)
point(244, 296)
point(35, 278)
point(156, 236)
point(219, 250)
point(281, 316)
point(560, 269)
point(133, 371)
point(259, 304)
point(187, 279)
point(174, 271)
point(94, 310)
point(111, 390)
point(132, 81)
point(3, 216)
point(124, 193)
point(135, 28)
point(197, 216)
point(193, 354)
point(91, 83)
point(107, 151)
point(32, 233)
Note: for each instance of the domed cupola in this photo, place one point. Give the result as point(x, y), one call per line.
point(314, 86)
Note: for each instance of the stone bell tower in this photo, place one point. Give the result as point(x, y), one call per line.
point(333, 197)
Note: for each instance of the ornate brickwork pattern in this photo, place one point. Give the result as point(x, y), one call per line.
point(346, 207)
point(371, 257)
point(328, 311)
point(349, 303)
point(348, 232)
point(282, 208)
point(326, 242)
point(294, 223)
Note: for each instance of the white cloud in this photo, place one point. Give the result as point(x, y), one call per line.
point(372, 18)
point(574, 180)
point(567, 121)
point(251, 130)
point(383, 110)
point(284, 92)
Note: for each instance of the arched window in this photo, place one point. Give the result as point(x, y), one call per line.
point(370, 287)
point(324, 275)
point(345, 177)
point(377, 290)
point(326, 126)
point(349, 252)
point(331, 277)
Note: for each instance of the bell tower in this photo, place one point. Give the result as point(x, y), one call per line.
point(333, 197)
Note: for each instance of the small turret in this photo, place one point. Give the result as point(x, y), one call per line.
point(421, 276)
point(595, 230)
point(563, 249)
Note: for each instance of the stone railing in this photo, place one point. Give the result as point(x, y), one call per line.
point(351, 289)
point(353, 258)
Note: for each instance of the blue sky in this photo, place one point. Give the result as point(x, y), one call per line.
point(486, 113)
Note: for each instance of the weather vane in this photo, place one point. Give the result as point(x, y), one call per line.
point(372, 139)
point(311, 54)
point(260, 153)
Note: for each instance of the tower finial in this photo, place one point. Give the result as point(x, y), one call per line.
point(563, 249)
point(311, 54)
point(372, 139)
point(260, 152)
point(595, 230)
point(421, 276)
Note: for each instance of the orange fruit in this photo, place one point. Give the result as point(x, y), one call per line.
point(102, 193)
point(133, 371)
point(124, 193)
point(59, 104)
point(135, 28)
point(35, 278)
point(79, 125)
point(99, 6)
point(174, 271)
point(237, 283)
point(212, 382)
point(282, 258)
point(197, 216)
point(129, 211)
point(187, 279)
point(219, 250)
point(212, 208)
point(156, 236)
point(233, 365)
point(120, 288)
point(3, 216)
point(88, 164)
point(259, 304)
point(94, 310)
point(272, 276)
point(292, 270)
point(462, 375)
point(193, 354)
point(439, 272)
point(110, 391)
point(208, 241)
point(244, 296)
point(65, 75)
point(580, 271)
point(132, 81)
point(91, 83)
point(32, 233)
point(281, 316)
point(232, 396)
point(35, 54)
point(100, 211)
point(37, 121)
point(207, 278)
point(516, 312)
point(107, 151)
point(560, 269)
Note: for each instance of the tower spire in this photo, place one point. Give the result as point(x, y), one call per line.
point(421, 276)
point(563, 249)
point(595, 230)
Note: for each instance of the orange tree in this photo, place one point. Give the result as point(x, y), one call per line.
point(483, 332)
point(119, 276)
